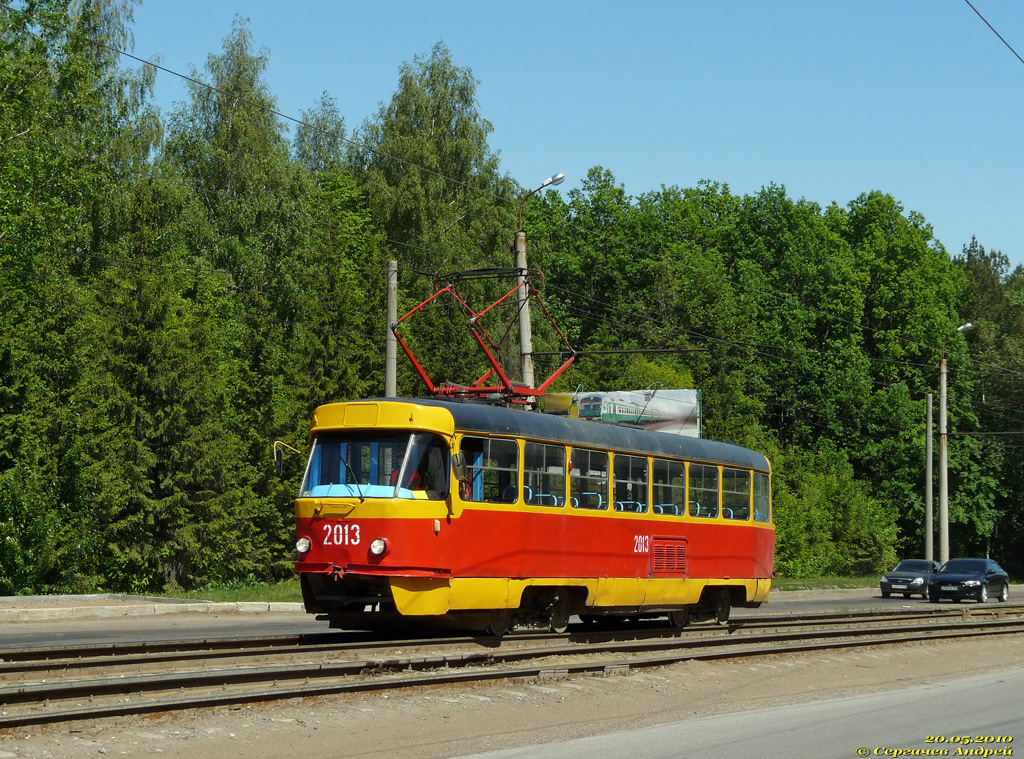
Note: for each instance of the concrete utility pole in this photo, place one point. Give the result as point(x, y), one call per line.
point(523, 299)
point(391, 343)
point(943, 479)
point(944, 454)
point(523, 294)
point(929, 529)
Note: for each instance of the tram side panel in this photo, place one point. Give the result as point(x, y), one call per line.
point(569, 543)
point(439, 559)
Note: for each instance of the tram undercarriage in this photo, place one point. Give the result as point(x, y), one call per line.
point(367, 602)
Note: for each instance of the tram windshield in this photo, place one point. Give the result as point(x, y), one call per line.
point(377, 464)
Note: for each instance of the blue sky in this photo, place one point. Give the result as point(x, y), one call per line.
point(830, 98)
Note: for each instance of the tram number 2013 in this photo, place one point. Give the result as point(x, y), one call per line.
point(341, 534)
point(641, 544)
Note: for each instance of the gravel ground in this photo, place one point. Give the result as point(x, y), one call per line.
point(452, 721)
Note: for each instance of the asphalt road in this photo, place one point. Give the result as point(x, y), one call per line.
point(880, 724)
point(77, 624)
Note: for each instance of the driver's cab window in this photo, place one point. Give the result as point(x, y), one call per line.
point(377, 464)
point(426, 469)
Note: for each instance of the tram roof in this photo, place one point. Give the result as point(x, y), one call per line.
point(500, 420)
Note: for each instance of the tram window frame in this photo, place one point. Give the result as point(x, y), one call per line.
point(736, 494)
point(668, 487)
point(762, 498)
point(544, 474)
point(629, 483)
point(588, 486)
point(492, 476)
point(703, 478)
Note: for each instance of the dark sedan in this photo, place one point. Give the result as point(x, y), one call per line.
point(910, 576)
point(969, 578)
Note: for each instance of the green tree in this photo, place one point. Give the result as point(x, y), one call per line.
point(429, 174)
point(435, 189)
point(68, 120)
point(227, 144)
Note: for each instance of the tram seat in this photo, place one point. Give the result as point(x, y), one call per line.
point(511, 493)
point(699, 510)
point(543, 499)
point(727, 512)
point(666, 508)
point(760, 516)
point(591, 500)
point(630, 506)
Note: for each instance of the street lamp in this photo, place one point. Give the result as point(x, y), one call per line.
point(944, 452)
point(523, 295)
point(557, 179)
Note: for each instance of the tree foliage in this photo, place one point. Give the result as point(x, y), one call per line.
point(178, 292)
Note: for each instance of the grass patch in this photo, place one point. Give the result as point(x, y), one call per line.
point(823, 583)
point(287, 591)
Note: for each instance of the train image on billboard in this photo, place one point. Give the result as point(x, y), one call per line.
point(675, 412)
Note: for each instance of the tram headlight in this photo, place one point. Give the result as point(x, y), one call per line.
point(378, 546)
point(302, 545)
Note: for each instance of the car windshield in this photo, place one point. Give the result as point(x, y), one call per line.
point(963, 566)
point(913, 566)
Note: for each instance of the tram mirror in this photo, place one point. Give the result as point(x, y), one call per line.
point(459, 466)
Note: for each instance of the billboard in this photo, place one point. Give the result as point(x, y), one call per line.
point(674, 412)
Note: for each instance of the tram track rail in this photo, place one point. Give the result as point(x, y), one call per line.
point(60, 684)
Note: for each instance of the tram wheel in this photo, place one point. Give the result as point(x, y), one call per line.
point(679, 618)
point(499, 622)
point(722, 607)
point(558, 621)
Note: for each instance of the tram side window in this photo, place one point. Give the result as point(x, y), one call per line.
point(493, 468)
point(762, 498)
point(588, 488)
point(736, 494)
point(544, 474)
point(669, 487)
point(703, 491)
point(630, 484)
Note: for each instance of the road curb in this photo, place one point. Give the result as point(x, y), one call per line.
point(68, 609)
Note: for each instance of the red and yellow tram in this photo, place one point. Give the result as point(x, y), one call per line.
point(493, 517)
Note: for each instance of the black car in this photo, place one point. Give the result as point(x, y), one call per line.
point(909, 577)
point(969, 578)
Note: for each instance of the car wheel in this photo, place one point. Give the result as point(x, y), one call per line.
point(1004, 594)
point(933, 597)
point(983, 593)
point(907, 595)
point(885, 594)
